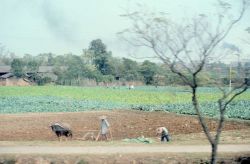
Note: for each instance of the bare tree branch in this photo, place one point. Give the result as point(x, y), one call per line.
point(186, 49)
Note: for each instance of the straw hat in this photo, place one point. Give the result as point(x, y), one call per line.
point(102, 117)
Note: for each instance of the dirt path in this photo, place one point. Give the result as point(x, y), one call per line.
point(119, 149)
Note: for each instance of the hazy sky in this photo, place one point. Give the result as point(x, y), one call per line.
point(62, 26)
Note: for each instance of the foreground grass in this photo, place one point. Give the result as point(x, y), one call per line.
point(152, 158)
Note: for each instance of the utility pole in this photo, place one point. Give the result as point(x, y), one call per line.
point(230, 77)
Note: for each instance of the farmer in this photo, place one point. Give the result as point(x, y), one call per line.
point(105, 129)
point(163, 131)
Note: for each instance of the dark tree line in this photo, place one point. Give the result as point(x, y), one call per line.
point(95, 63)
point(98, 64)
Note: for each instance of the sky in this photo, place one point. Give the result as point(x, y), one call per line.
point(68, 26)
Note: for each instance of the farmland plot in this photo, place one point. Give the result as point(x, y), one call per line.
point(70, 99)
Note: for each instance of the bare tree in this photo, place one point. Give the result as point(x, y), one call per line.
point(186, 48)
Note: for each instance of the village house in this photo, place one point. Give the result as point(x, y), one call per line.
point(8, 79)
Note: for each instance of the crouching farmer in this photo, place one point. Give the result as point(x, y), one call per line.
point(164, 134)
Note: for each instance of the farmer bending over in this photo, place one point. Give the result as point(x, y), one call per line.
point(164, 133)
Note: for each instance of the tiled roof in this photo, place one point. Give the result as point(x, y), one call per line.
point(5, 69)
point(7, 75)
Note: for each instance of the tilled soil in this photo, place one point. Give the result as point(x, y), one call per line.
point(124, 124)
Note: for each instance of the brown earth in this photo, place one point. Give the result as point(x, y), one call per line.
point(14, 82)
point(27, 129)
point(125, 124)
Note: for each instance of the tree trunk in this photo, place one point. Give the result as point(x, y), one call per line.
point(218, 133)
point(213, 142)
point(200, 117)
point(214, 153)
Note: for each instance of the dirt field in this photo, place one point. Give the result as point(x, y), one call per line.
point(125, 124)
point(29, 131)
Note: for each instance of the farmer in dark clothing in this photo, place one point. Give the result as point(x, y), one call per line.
point(164, 133)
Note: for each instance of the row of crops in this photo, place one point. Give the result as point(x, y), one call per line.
point(71, 99)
